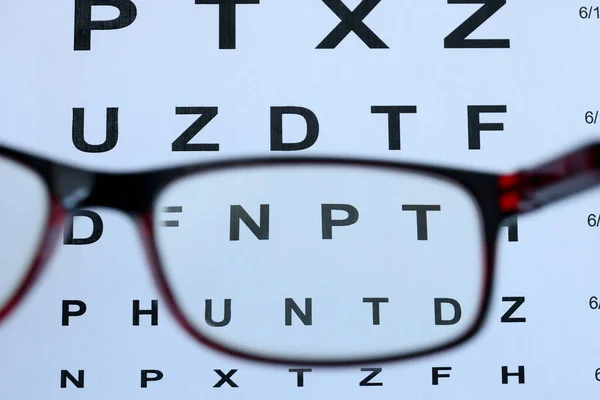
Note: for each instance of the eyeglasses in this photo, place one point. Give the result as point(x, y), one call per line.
point(320, 261)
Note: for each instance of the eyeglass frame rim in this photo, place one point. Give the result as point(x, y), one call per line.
point(135, 194)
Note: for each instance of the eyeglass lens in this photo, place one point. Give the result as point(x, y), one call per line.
point(322, 261)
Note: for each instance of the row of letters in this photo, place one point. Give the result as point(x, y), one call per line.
point(261, 229)
point(206, 115)
point(77, 308)
point(350, 21)
point(149, 377)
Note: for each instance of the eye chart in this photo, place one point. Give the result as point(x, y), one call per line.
point(126, 85)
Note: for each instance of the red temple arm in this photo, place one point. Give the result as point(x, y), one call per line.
point(562, 177)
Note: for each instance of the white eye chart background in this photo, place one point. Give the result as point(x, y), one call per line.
point(169, 57)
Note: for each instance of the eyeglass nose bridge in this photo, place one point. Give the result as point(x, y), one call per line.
point(130, 193)
point(71, 186)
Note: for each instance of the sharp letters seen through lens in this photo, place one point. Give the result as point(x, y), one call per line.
point(323, 262)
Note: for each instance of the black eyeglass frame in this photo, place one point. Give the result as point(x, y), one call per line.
point(499, 196)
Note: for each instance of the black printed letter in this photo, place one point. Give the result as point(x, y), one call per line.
point(435, 372)
point(438, 311)
point(66, 310)
point(182, 143)
point(352, 21)
point(421, 217)
point(312, 128)
point(520, 375)
point(153, 312)
point(84, 24)
point(227, 20)
point(376, 301)
point(327, 221)
point(208, 314)
point(97, 228)
point(64, 375)
point(476, 127)
point(305, 317)
point(237, 214)
point(373, 374)
point(458, 38)
point(158, 375)
point(513, 228)
point(112, 131)
point(517, 302)
point(300, 372)
point(225, 378)
point(393, 113)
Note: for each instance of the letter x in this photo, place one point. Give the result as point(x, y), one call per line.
point(225, 378)
point(352, 21)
